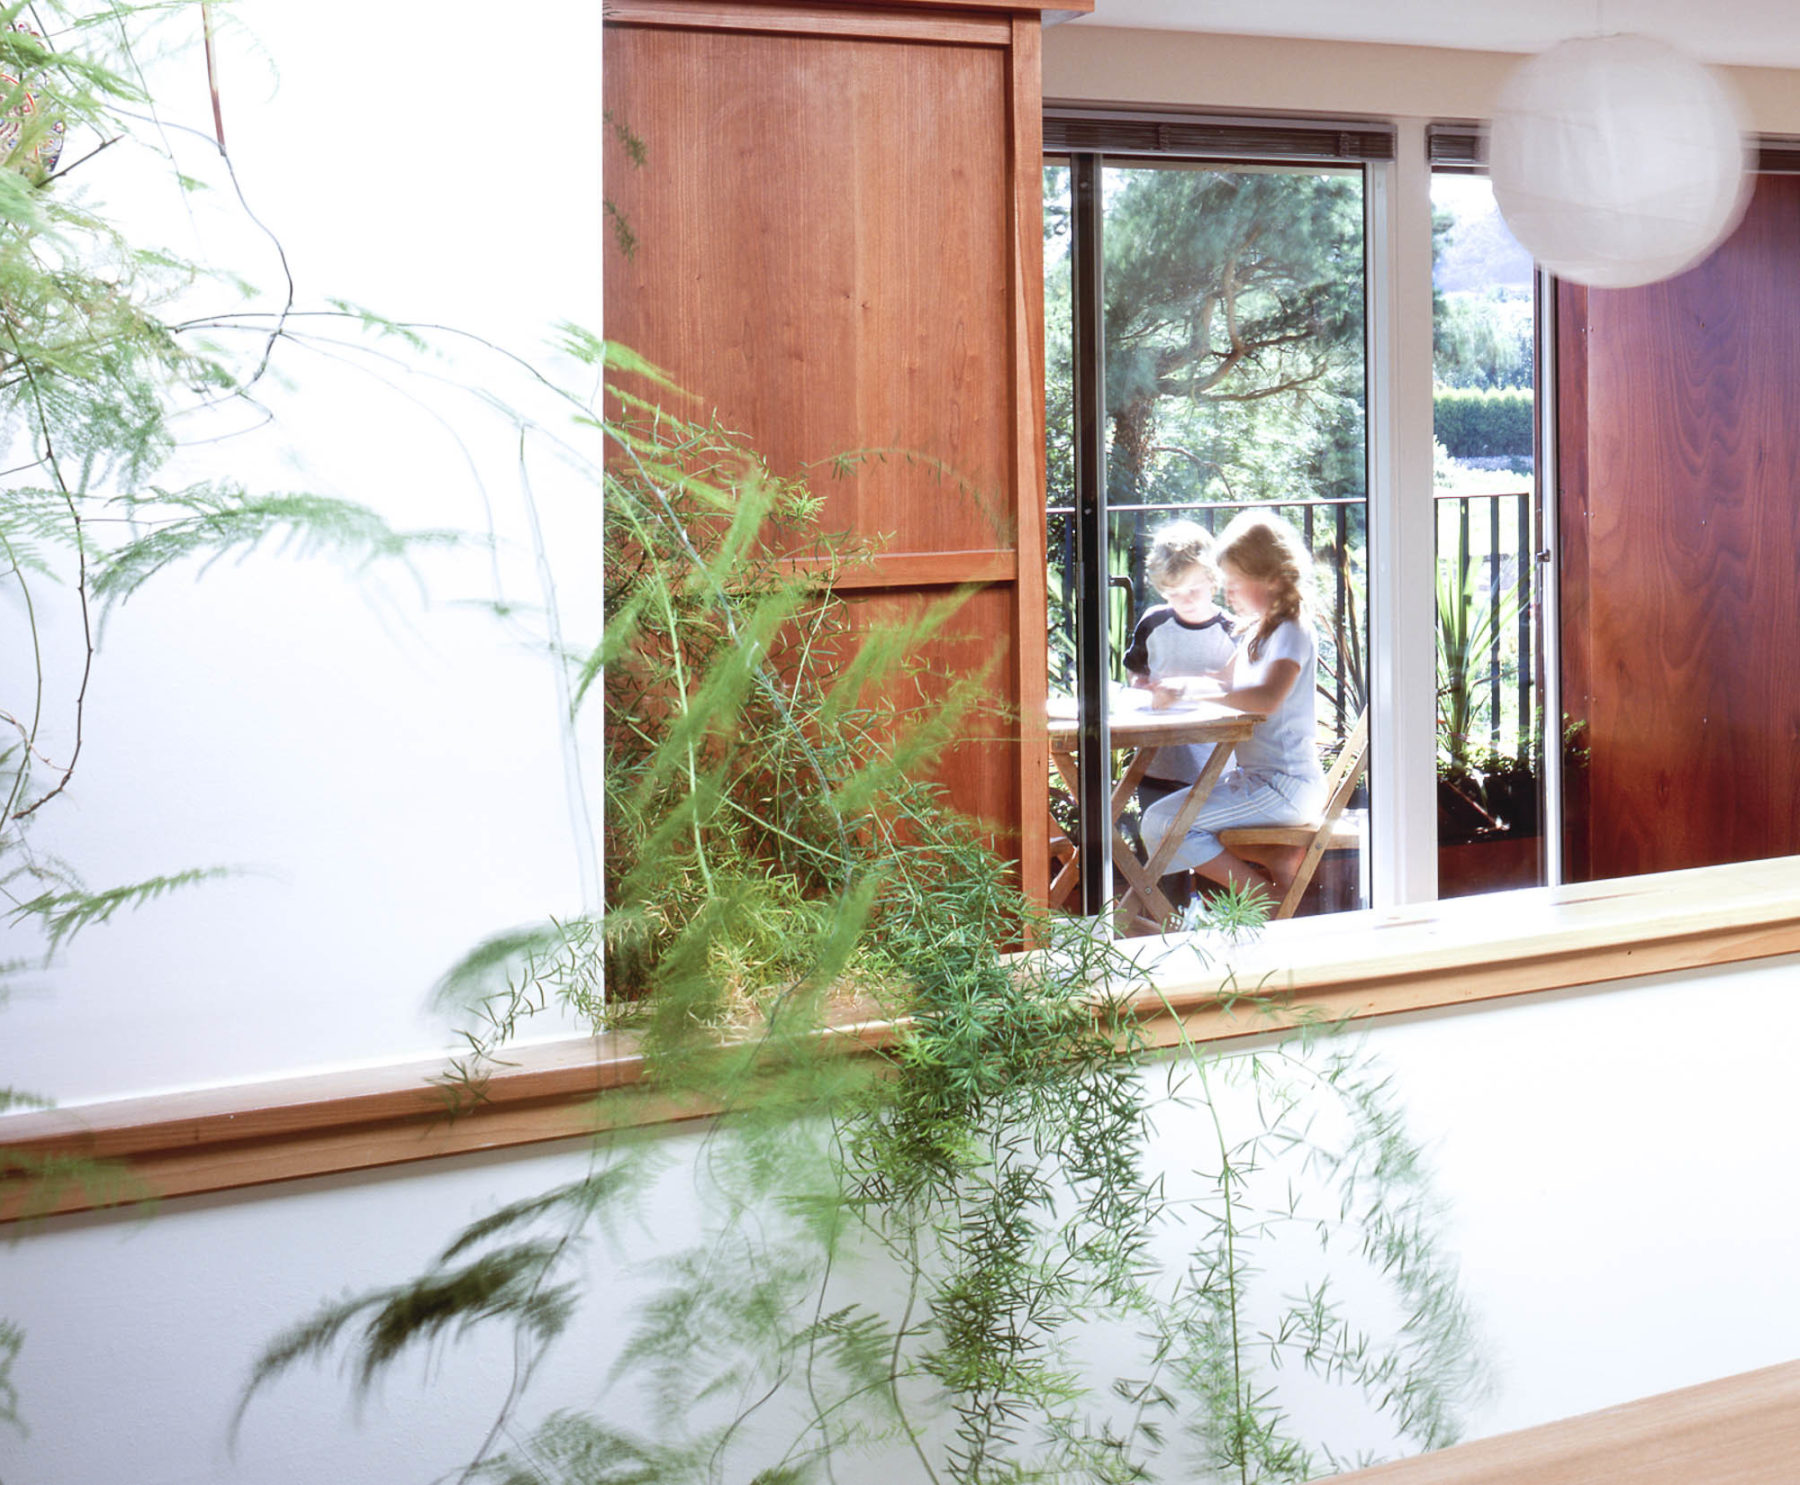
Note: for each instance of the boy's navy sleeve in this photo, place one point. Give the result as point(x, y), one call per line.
point(1137, 657)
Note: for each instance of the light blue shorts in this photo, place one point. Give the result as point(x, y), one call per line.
point(1239, 798)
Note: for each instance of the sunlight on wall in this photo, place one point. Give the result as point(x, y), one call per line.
point(377, 753)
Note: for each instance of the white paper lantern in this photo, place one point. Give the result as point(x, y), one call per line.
point(1617, 160)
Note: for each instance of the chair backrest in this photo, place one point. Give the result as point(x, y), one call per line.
point(1340, 784)
point(1346, 773)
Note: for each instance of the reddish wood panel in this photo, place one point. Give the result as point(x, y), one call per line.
point(1572, 560)
point(979, 767)
point(822, 257)
point(814, 20)
point(836, 242)
point(1032, 657)
point(920, 569)
point(800, 9)
point(1681, 627)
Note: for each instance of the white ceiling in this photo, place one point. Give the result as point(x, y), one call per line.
point(1756, 33)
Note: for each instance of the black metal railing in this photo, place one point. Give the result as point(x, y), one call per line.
point(1493, 545)
point(1487, 536)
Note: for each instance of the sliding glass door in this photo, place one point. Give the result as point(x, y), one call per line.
point(1207, 349)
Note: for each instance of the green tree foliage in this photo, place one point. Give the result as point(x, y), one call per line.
point(1225, 290)
point(1473, 425)
point(1483, 340)
point(1234, 358)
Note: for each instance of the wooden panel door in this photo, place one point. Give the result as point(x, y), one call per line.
point(1679, 408)
point(838, 231)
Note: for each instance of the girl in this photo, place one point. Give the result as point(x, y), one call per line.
point(1277, 779)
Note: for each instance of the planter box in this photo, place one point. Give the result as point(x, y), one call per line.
point(1490, 865)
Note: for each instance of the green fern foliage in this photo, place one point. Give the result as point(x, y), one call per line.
point(100, 363)
point(66, 913)
point(968, 1255)
point(97, 368)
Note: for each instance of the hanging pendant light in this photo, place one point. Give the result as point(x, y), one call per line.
point(1618, 160)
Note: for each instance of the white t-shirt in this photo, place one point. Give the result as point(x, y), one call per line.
point(1165, 644)
point(1287, 743)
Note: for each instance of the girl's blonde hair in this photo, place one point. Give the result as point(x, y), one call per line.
point(1268, 550)
point(1178, 547)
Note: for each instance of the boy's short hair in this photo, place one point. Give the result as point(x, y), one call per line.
point(1177, 547)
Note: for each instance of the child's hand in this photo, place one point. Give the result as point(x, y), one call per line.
point(1174, 690)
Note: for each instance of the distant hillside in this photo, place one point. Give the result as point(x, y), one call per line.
point(1481, 254)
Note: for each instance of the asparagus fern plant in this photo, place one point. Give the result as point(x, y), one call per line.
point(968, 1255)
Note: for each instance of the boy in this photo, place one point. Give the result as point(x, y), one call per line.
point(1187, 635)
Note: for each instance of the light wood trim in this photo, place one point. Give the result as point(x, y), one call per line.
point(1742, 1430)
point(1358, 964)
point(577, 1068)
point(1487, 947)
point(179, 1144)
point(1031, 599)
point(919, 569)
point(844, 21)
point(219, 1139)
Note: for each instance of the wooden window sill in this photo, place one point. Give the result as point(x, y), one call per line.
point(1469, 949)
point(1742, 1430)
point(1347, 966)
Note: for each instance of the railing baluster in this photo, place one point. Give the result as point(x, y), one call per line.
point(1528, 586)
point(1494, 621)
point(1134, 516)
point(1341, 618)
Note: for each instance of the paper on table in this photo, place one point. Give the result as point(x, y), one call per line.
point(1120, 701)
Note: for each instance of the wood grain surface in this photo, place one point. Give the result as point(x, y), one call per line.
point(923, 570)
point(1362, 964)
point(821, 258)
point(975, 642)
point(837, 234)
point(1031, 655)
point(1742, 1430)
point(1572, 566)
point(991, 28)
point(1682, 613)
point(799, 11)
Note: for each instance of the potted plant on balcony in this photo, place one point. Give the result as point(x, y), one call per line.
point(1489, 798)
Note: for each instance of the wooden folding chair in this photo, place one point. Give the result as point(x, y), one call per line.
point(1332, 831)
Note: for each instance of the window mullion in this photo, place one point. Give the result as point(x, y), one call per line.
point(1094, 754)
point(1402, 528)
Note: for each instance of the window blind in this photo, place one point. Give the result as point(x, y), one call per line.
point(1199, 136)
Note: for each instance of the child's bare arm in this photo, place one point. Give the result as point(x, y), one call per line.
point(1170, 690)
point(1270, 693)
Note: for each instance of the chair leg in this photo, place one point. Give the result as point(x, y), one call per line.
point(1283, 864)
point(1310, 857)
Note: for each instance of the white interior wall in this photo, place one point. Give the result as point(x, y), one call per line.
point(1612, 1164)
point(376, 755)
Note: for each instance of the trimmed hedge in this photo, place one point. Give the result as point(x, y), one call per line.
point(1476, 425)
